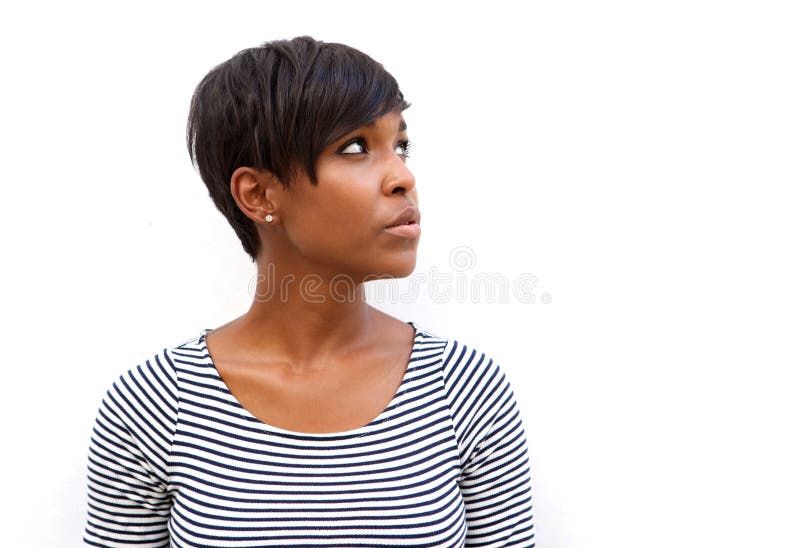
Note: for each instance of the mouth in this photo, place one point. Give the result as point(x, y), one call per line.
point(402, 224)
point(408, 230)
point(408, 216)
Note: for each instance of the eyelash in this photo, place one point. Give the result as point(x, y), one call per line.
point(405, 144)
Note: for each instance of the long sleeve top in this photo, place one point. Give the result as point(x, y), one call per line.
point(176, 460)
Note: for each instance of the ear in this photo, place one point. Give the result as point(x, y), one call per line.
point(255, 192)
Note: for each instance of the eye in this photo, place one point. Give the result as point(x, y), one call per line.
point(402, 148)
point(355, 146)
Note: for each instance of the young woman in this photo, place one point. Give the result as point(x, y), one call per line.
point(313, 419)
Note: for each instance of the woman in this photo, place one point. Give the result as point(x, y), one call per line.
point(314, 419)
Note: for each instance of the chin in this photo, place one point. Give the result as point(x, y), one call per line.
point(394, 269)
point(405, 272)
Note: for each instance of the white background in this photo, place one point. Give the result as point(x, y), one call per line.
point(640, 159)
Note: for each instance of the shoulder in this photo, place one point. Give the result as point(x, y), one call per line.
point(429, 343)
point(466, 368)
point(460, 357)
point(478, 393)
point(151, 385)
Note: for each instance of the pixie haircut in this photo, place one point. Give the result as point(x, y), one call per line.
point(276, 107)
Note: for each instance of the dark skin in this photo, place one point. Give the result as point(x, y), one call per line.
point(313, 356)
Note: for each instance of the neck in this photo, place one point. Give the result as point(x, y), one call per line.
point(306, 315)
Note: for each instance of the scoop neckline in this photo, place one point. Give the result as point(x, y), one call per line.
point(355, 432)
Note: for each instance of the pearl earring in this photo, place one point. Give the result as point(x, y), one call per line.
point(269, 218)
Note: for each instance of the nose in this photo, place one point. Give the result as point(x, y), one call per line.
point(398, 177)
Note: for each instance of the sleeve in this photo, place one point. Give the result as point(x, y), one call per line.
point(128, 497)
point(495, 476)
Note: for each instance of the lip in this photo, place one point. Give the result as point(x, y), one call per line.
point(409, 214)
point(408, 231)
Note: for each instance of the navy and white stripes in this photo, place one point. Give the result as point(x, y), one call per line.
point(175, 460)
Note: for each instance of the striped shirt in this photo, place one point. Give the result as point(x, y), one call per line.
point(175, 460)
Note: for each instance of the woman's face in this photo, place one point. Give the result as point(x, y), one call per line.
point(339, 225)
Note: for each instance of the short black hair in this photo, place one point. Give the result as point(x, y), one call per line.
point(276, 107)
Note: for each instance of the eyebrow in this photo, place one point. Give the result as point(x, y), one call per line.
point(401, 127)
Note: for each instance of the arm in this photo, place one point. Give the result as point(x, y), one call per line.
point(129, 502)
point(495, 474)
point(495, 483)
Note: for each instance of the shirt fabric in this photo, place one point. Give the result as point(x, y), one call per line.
point(175, 460)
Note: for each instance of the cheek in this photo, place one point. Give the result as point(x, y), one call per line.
point(331, 223)
point(347, 204)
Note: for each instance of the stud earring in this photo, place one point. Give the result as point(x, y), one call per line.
point(269, 218)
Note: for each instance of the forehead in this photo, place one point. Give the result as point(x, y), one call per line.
point(391, 121)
